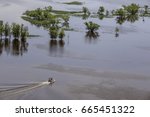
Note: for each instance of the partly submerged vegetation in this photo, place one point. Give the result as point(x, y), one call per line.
point(92, 28)
point(16, 30)
point(13, 38)
point(57, 20)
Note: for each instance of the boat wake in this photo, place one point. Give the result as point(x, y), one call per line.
point(7, 90)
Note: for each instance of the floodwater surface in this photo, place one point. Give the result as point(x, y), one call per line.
point(106, 67)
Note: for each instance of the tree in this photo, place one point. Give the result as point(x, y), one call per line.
point(85, 10)
point(53, 31)
point(121, 13)
point(16, 29)
point(61, 34)
point(121, 16)
point(101, 10)
point(7, 30)
point(90, 26)
point(1, 29)
point(132, 9)
point(24, 33)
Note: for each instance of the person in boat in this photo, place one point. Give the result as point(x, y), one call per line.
point(50, 80)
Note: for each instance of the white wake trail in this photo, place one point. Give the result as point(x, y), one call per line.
point(6, 91)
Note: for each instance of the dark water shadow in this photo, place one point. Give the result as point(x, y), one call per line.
point(56, 47)
point(15, 47)
point(91, 37)
point(132, 18)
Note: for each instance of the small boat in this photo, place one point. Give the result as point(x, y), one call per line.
point(51, 80)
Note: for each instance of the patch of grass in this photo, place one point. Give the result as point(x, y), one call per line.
point(44, 23)
point(73, 3)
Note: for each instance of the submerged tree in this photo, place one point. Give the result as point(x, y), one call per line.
point(92, 28)
point(132, 9)
point(53, 31)
point(16, 29)
point(7, 30)
point(85, 10)
point(61, 36)
point(18, 44)
point(24, 34)
point(121, 13)
point(101, 10)
point(121, 16)
point(1, 29)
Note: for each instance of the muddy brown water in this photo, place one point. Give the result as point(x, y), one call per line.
point(102, 68)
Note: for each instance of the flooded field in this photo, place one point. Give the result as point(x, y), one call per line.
point(106, 67)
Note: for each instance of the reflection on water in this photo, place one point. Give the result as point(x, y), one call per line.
point(101, 17)
point(13, 47)
point(56, 47)
point(132, 18)
point(116, 32)
point(91, 36)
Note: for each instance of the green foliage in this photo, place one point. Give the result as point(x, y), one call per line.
point(65, 18)
point(46, 17)
point(85, 10)
point(121, 16)
point(127, 13)
point(7, 30)
point(1, 29)
point(56, 32)
point(16, 30)
point(53, 31)
point(120, 12)
point(101, 10)
point(49, 19)
point(62, 34)
point(24, 32)
point(132, 9)
point(90, 26)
